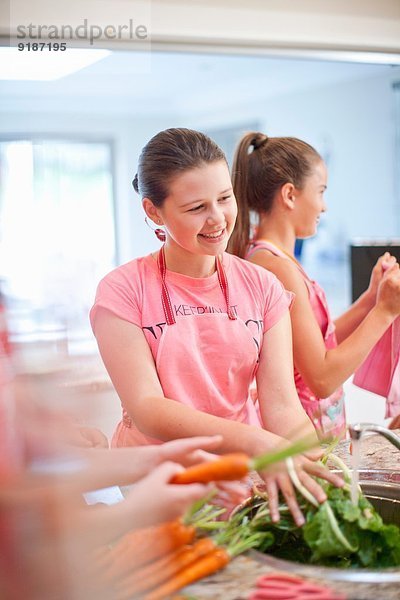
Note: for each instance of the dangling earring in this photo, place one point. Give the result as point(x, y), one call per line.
point(160, 233)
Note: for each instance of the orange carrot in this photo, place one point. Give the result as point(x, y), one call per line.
point(146, 545)
point(163, 569)
point(229, 467)
point(237, 465)
point(144, 537)
point(207, 565)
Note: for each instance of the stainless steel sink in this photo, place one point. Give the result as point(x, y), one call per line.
point(382, 488)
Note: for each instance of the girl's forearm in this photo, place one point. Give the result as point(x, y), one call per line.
point(341, 362)
point(289, 421)
point(351, 319)
point(166, 419)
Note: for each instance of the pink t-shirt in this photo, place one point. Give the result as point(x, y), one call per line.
point(133, 293)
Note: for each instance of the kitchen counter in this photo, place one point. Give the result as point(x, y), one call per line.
point(237, 580)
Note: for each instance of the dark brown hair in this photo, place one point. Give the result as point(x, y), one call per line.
point(168, 154)
point(261, 166)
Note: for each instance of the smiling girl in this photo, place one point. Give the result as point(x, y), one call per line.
point(283, 180)
point(184, 331)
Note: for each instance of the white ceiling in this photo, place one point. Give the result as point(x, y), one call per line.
point(169, 83)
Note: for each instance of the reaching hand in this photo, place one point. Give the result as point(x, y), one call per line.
point(305, 470)
point(186, 450)
point(229, 494)
point(154, 500)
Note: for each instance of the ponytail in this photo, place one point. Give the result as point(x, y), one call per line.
point(261, 166)
point(240, 237)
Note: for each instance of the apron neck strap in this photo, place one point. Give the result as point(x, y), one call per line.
point(223, 282)
point(166, 300)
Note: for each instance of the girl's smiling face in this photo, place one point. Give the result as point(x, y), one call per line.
point(200, 210)
point(310, 201)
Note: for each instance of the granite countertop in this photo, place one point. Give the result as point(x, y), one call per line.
point(237, 580)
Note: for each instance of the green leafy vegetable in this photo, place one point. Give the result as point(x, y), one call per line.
point(336, 533)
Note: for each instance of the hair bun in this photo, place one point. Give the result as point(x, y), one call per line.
point(259, 140)
point(135, 184)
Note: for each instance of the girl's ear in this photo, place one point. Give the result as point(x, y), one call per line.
point(151, 211)
point(288, 195)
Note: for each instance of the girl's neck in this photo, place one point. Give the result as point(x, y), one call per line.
point(282, 237)
point(186, 263)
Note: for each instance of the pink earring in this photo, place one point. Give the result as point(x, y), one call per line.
point(160, 233)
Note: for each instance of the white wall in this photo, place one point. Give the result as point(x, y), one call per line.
point(353, 124)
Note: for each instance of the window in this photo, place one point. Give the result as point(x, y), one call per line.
point(57, 233)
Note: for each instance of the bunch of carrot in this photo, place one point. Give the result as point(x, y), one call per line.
point(174, 571)
point(155, 563)
point(144, 546)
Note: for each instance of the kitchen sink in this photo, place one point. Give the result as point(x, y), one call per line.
point(382, 488)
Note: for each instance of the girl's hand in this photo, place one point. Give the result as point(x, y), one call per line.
point(154, 500)
point(306, 470)
point(228, 493)
point(388, 296)
point(186, 451)
point(384, 262)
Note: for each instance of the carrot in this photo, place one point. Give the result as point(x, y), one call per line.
point(146, 545)
point(140, 579)
point(228, 467)
point(163, 569)
point(207, 565)
point(237, 465)
point(144, 537)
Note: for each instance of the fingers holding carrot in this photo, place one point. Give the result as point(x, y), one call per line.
point(187, 451)
point(228, 494)
point(279, 470)
point(154, 499)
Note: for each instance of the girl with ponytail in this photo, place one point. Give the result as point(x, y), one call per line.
point(279, 183)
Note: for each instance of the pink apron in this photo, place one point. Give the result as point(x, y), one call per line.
point(326, 414)
point(205, 361)
point(380, 372)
